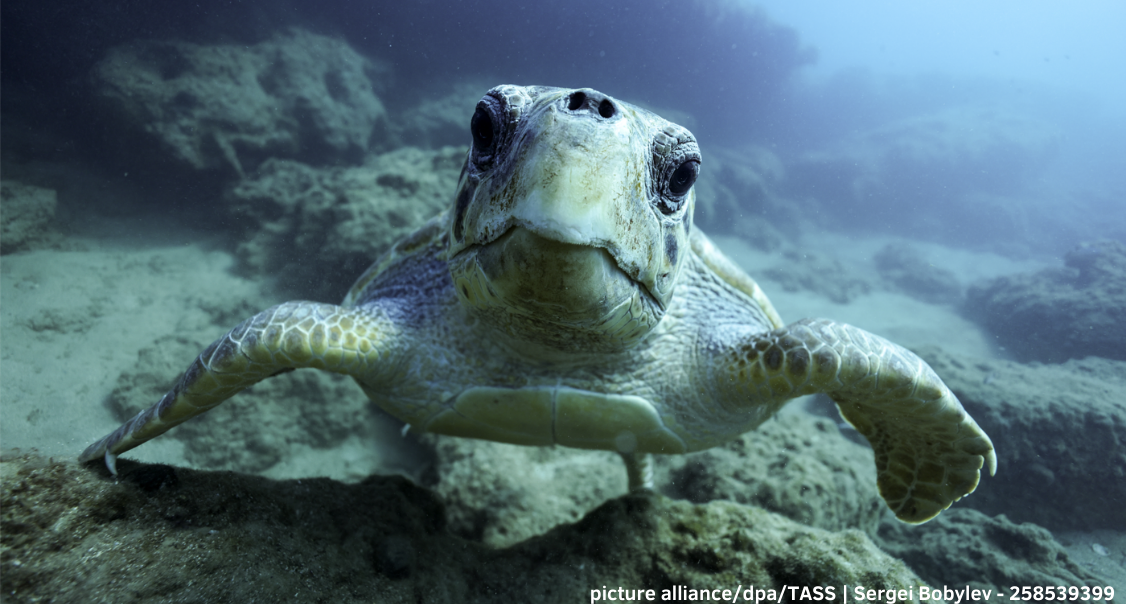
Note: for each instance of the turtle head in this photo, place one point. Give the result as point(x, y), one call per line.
point(571, 220)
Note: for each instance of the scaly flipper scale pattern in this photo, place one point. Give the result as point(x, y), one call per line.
point(929, 451)
point(288, 336)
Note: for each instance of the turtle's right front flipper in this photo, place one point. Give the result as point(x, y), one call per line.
point(288, 336)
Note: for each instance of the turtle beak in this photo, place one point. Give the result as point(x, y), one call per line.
point(566, 296)
point(576, 284)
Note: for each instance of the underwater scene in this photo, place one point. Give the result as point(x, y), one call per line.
point(708, 300)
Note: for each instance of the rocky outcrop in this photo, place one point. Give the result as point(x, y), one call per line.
point(738, 195)
point(822, 275)
point(318, 229)
point(26, 213)
point(951, 175)
point(298, 95)
point(965, 547)
point(905, 269)
point(796, 465)
point(1059, 314)
point(72, 534)
point(1060, 435)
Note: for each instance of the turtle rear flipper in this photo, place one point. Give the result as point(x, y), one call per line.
point(288, 336)
point(929, 451)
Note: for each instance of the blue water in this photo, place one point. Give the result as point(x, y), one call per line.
point(790, 77)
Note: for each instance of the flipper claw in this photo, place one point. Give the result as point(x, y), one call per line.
point(111, 462)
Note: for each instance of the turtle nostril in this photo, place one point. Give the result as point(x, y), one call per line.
point(577, 99)
point(606, 109)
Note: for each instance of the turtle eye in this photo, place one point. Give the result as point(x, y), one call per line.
point(482, 128)
point(684, 177)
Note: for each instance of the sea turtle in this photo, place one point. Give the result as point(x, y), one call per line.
point(565, 298)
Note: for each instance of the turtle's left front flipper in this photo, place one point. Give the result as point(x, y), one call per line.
point(929, 451)
point(288, 336)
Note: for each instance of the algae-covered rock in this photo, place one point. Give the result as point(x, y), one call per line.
point(297, 94)
point(1060, 435)
point(796, 465)
point(502, 494)
point(72, 534)
point(1059, 314)
point(25, 213)
point(319, 228)
point(158, 534)
point(965, 547)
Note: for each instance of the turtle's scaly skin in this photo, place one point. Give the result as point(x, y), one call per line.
point(566, 299)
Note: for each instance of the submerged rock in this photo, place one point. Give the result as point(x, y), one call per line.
point(906, 269)
point(954, 174)
point(1060, 434)
point(1059, 314)
point(25, 215)
point(807, 271)
point(502, 494)
point(440, 120)
point(73, 534)
point(739, 197)
point(318, 229)
point(297, 94)
point(796, 465)
point(965, 547)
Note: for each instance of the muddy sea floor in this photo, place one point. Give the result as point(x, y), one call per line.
point(115, 307)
